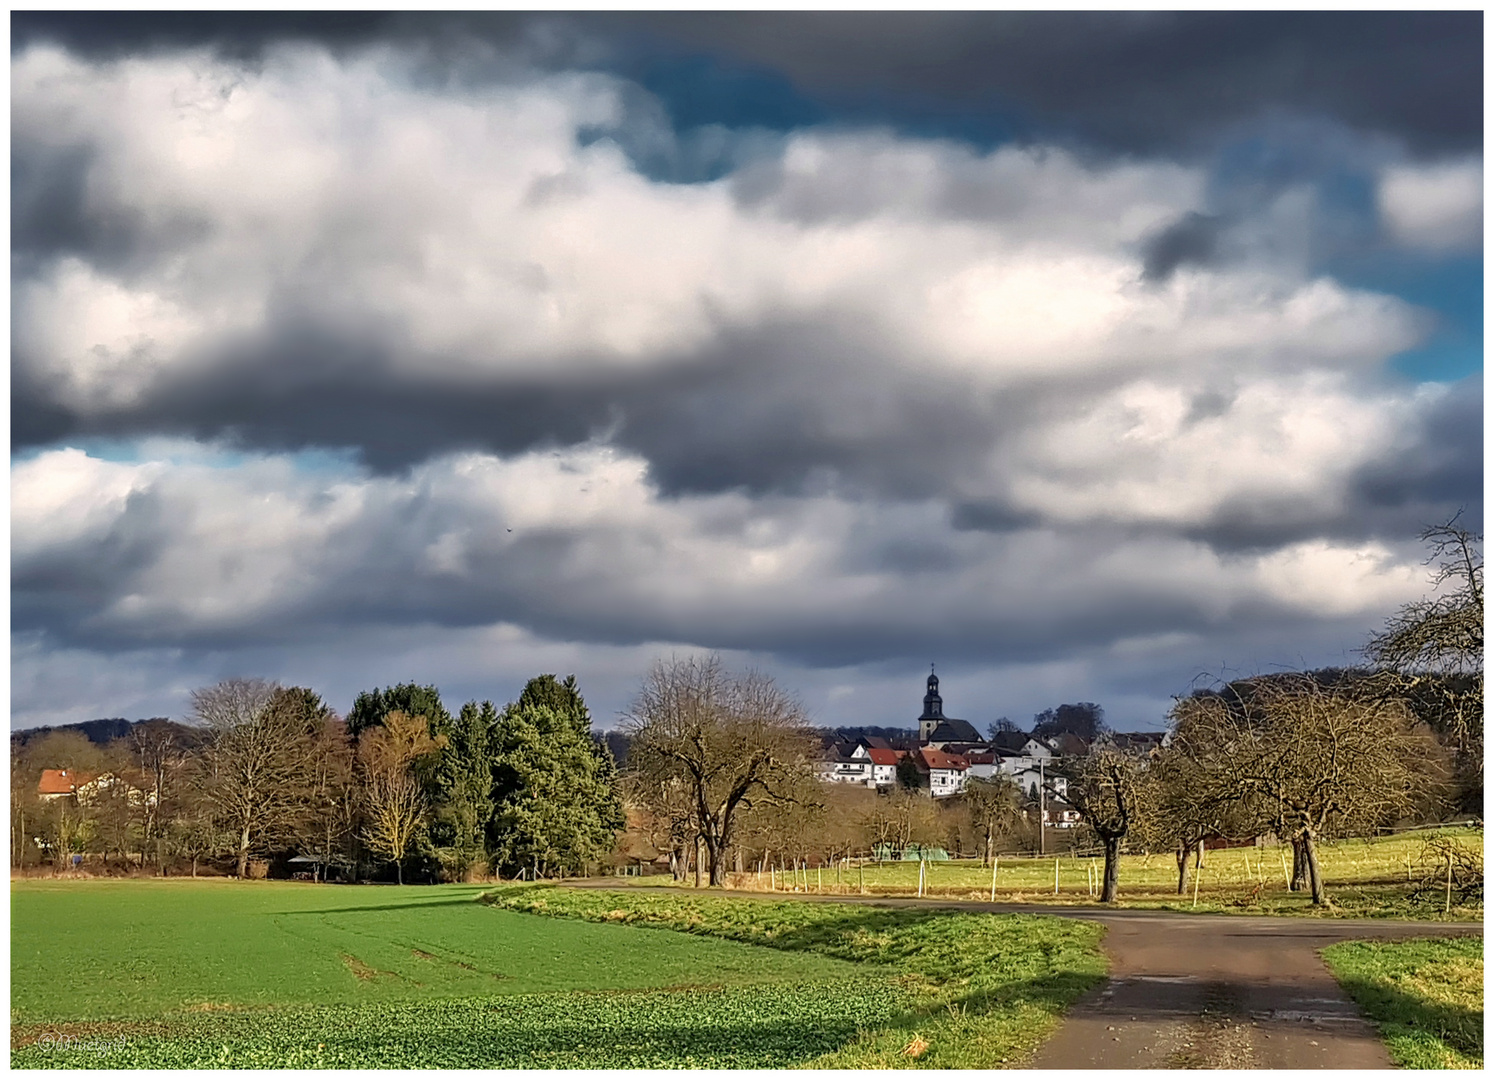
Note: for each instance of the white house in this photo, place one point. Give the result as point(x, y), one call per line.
point(946, 771)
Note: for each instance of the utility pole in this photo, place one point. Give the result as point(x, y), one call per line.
point(1042, 810)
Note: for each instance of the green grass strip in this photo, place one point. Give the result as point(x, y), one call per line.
point(1426, 997)
point(983, 991)
point(722, 1028)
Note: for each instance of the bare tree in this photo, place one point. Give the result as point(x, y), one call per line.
point(1188, 805)
point(395, 806)
point(734, 742)
point(334, 799)
point(1109, 788)
point(1298, 759)
point(162, 760)
point(994, 806)
point(667, 816)
point(194, 831)
point(1431, 652)
point(396, 811)
point(901, 819)
point(257, 760)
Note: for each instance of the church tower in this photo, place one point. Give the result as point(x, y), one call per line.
point(933, 710)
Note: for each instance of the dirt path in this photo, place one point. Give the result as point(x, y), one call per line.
point(1225, 992)
point(1206, 991)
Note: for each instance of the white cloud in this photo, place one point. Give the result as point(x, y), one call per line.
point(1166, 453)
point(1338, 580)
point(473, 236)
point(1438, 207)
point(581, 539)
point(980, 318)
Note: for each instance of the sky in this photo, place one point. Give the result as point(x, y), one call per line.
point(1083, 355)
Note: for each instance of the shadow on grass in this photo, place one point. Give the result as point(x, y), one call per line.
point(1400, 1013)
point(963, 971)
point(454, 901)
point(735, 1028)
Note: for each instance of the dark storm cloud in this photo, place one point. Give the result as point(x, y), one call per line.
point(776, 409)
point(1443, 468)
point(1191, 240)
point(1133, 81)
point(1123, 80)
point(301, 388)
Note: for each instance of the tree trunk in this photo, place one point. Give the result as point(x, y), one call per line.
point(243, 863)
point(1198, 860)
point(1182, 857)
point(1112, 870)
point(399, 871)
point(1299, 865)
point(1314, 873)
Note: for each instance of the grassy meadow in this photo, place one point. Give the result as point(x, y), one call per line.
point(981, 991)
point(1364, 877)
point(1426, 997)
point(200, 974)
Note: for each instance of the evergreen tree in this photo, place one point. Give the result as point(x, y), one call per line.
point(460, 787)
point(371, 706)
point(555, 802)
point(560, 695)
point(563, 696)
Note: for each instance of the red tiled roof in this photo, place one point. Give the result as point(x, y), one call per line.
point(880, 756)
point(60, 781)
point(938, 759)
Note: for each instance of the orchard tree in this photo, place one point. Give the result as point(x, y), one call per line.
point(1189, 804)
point(1293, 757)
point(1431, 652)
point(734, 741)
point(1109, 787)
point(994, 806)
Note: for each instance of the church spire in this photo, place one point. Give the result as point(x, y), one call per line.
point(933, 704)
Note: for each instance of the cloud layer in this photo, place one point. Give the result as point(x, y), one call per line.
point(331, 343)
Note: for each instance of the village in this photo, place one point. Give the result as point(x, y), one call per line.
point(949, 751)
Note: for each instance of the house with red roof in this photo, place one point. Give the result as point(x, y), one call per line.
point(946, 771)
point(61, 783)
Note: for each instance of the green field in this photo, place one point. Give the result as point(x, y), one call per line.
point(1363, 878)
point(199, 974)
point(1427, 997)
point(983, 991)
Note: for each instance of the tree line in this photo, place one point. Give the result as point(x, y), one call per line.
point(721, 774)
point(400, 784)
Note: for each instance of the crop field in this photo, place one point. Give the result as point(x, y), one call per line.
point(1427, 997)
point(183, 974)
point(982, 991)
point(1363, 878)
